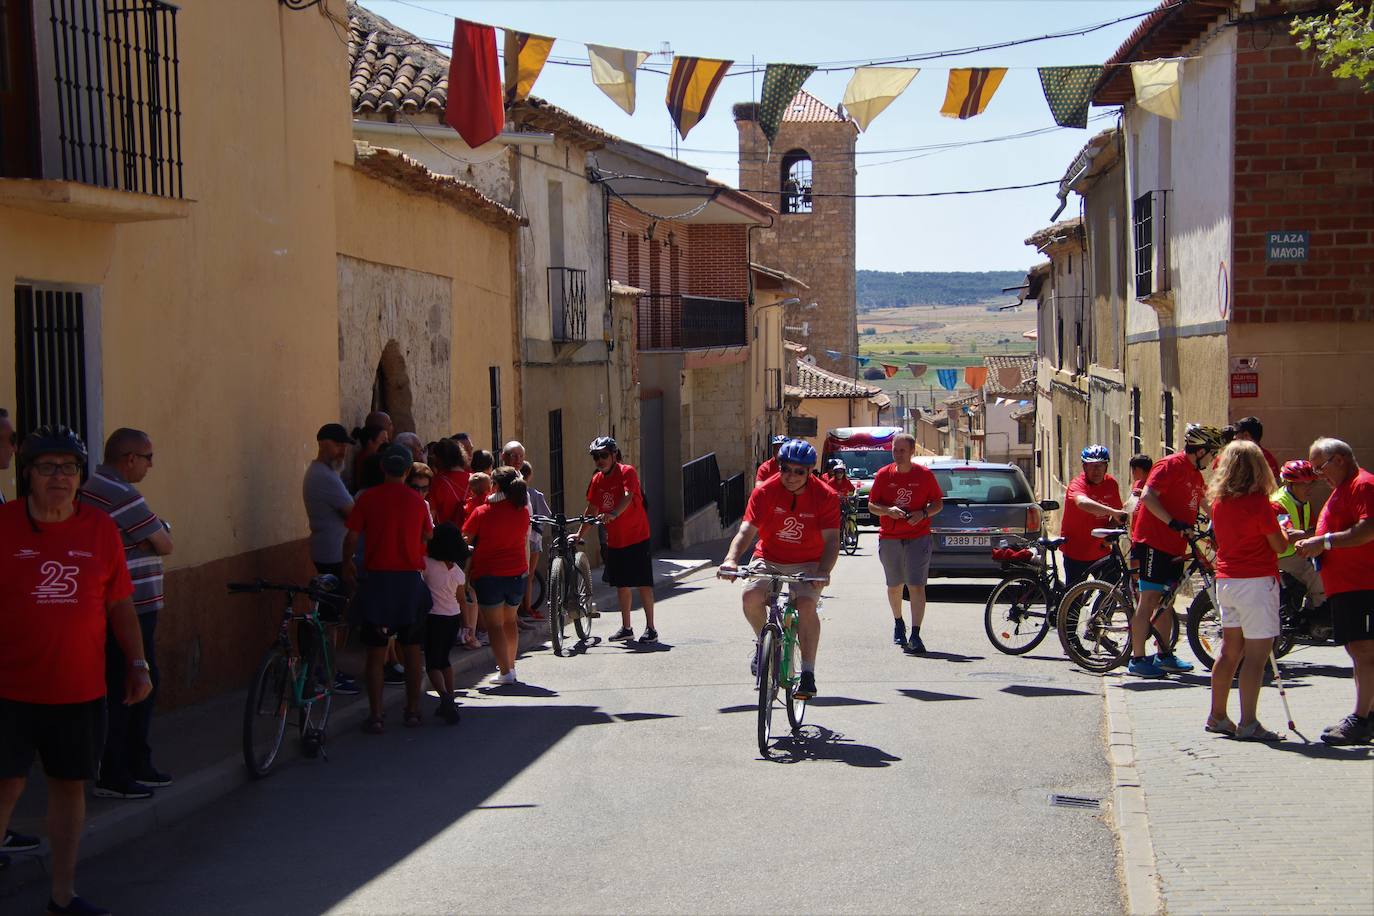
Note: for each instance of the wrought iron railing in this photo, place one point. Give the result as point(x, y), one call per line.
point(734, 495)
point(116, 114)
point(668, 321)
point(700, 484)
point(568, 303)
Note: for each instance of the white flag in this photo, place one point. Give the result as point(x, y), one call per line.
point(872, 89)
point(613, 72)
point(1157, 86)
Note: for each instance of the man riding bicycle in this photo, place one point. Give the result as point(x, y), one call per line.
point(1091, 498)
point(797, 519)
point(1173, 492)
point(838, 479)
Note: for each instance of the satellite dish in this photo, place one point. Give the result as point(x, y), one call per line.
point(809, 359)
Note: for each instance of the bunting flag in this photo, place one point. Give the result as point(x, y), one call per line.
point(525, 56)
point(917, 369)
point(969, 91)
point(1156, 86)
point(474, 79)
point(1066, 92)
point(780, 85)
point(872, 89)
point(863, 360)
point(833, 354)
point(949, 378)
point(691, 86)
point(976, 376)
point(890, 371)
point(1009, 377)
point(613, 72)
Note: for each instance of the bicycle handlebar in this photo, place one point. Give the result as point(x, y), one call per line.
point(568, 520)
point(262, 585)
point(755, 572)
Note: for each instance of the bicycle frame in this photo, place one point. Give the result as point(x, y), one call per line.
point(782, 615)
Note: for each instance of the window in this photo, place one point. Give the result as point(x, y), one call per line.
point(556, 461)
point(1058, 332)
point(1149, 241)
point(796, 182)
point(983, 486)
point(1078, 361)
point(632, 254)
point(494, 382)
point(1136, 444)
point(1059, 444)
point(49, 359)
point(1167, 420)
point(1025, 430)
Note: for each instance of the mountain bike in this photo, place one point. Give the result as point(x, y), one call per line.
point(1095, 615)
point(570, 581)
point(776, 656)
point(849, 525)
point(284, 681)
point(1204, 622)
point(1022, 607)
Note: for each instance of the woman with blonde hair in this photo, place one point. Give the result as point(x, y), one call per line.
point(1248, 541)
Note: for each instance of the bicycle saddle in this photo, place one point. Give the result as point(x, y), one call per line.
point(1053, 543)
point(1108, 534)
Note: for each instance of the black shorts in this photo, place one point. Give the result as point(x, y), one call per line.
point(1352, 616)
point(376, 637)
point(1159, 570)
point(68, 737)
point(441, 632)
point(630, 567)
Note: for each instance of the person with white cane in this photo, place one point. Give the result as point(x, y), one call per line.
point(1249, 541)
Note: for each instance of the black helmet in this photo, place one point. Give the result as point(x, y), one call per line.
point(602, 444)
point(56, 439)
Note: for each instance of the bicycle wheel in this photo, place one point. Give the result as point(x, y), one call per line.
point(558, 611)
point(851, 535)
point(537, 589)
point(1095, 626)
point(580, 596)
point(266, 710)
point(1017, 615)
point(1204, 629)
point(768, 685)
point(796, 709)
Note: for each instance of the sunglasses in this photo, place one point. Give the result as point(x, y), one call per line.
point(597, 456)
point(794, 470)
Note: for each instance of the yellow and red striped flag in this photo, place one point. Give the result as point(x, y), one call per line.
point(525, 55)
point(969, 91)
point(691, 86)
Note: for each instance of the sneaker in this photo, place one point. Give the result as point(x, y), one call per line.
point(447, 711)
point(754, 663)
point(1173, 664)
point(19, 842)
point(129, 790)
point(345, 685)
point(899, 633)
point(1145, 667)
point(806, 687)
point(499, 679)
point(1350, 730)
point(77, 907)
point(393, 674)
point(649, 636)
point(624, 634)
point(153, 777)
point(914, 645)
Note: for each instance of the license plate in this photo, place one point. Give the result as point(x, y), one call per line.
point(967, 540)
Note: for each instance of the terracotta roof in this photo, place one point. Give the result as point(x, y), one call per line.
point(807, 109)
point(399, 170)
point(390, 69)
point(1025, 365)
point(1166, 32)
point(815, 382)
point(794, 346)
point(973, 399)
point(1063, 231)
point(780, 275)
point(544, 115)
point(1095, 156)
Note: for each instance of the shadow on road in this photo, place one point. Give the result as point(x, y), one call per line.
point(1321, 750)
point(840, 701)
point(930, 696)
point(816, 742)
point(951, 657)
point(960, 593)
point(1026, 690)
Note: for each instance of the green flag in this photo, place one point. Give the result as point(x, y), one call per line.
point(1067, 90)
point(780, 85)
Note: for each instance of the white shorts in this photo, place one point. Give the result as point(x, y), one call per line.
point(1251, 604)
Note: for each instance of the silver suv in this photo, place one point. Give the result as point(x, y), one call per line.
point(984, 503)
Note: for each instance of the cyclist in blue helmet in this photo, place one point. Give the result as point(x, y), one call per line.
point(770, 467)
point(797, 520)
point(1092, 500)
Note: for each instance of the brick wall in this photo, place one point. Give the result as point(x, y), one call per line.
point(713, 258)
point(1304, 162)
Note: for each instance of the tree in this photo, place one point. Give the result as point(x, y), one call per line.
point(1344, 38)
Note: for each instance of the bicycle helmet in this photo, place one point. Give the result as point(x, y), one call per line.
point(777, 440)
point(56, 439)
point(797, 451)
point(1297, 472)
point(1208, 437)
point(602, 444)
point(1095, 454)
point(838, 465)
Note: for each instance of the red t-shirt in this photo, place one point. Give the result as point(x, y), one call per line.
point(500, 533)
point(914, 490)
point(393, 520)
point(606, 491)
point(1179, 486)
point(1348, 569)
point(843, 486)
point(55, 588)
point(447, 492)
point(1272, 462)
point(1241, 526)
point(768, 469)
point(791, 524)
point(1078, 524)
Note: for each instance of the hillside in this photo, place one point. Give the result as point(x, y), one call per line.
point(886, 289)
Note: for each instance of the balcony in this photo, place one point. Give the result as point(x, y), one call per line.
point(669, 321)
point(93, 111)
point(567, 304)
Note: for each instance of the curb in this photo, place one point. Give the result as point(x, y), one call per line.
point(1140, 873)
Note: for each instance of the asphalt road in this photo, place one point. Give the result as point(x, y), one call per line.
point(629, 781)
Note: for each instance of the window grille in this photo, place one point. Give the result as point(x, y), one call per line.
point(796, 182)
point(1136, 444)
point(49, 359)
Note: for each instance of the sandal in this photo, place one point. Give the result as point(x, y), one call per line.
point(1222, 726)
point(1256, 732)
point(412, 719)
point(373, 725)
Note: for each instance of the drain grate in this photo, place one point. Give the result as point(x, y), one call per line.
point(1074, 801)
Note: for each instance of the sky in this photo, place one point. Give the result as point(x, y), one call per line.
point(974, 232)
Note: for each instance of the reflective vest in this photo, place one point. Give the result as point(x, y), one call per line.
point(1288, 504)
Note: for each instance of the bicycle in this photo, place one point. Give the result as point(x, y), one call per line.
point(284, 681)
point(776, 655)
point(1095, 615)
point(1204, 621)
point(570, 581)
point(1023, 606)
point(849, 525)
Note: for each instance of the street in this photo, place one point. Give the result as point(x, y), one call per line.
point(626, 780)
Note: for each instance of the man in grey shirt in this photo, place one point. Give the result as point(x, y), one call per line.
point(327, 504)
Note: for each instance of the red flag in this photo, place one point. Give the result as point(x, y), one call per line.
point(890, 371)
point(976, 376)
point(474, 84)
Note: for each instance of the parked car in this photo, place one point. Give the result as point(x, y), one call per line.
point(863, 449)
point(985, 502)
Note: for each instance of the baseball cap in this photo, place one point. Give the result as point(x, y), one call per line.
point(396, 460)
point(333, 432)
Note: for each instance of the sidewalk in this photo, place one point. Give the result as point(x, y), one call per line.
point(1214, 825)
point(199, 744)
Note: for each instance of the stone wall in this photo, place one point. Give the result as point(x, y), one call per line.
point(717, 417)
